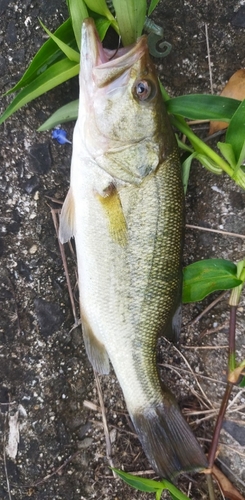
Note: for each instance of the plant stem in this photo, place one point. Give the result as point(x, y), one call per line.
point(232, 335)
point(219, 422)
point(199, 145)
point(229, 386)
point(210, 487)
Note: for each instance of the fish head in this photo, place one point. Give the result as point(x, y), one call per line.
point(121, 107)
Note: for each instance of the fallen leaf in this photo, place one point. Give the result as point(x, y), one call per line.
point(235, 88)
point(14, 432)
point(230, 492)
point(14, 435)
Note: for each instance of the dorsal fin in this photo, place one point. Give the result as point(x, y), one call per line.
point(67, 218)
point(111, 203)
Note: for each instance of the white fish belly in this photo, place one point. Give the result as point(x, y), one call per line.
point(116, 283)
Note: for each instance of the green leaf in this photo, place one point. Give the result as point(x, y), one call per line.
point(102, 24)
point(203, 107)
point(241, 157)
point(239, 177)
point(242, 383)
point(100, 7)
point(53, 76)
point(207, 276)
point(47, 55)
point(241, 269)
point(228, 153)
point(140, 483)
point(235, 134)
point(164, 93)
point(151, 486)
point(152, 7)
point(78, 12)
point(64, 114)
point(183, 145)
point(72, 54)
point(130, 15)
point(186, 166)
point(209, 164)
point(174, 492)
point(158, 494)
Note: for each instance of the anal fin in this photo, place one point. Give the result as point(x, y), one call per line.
point(67, 218)
point(96, 351)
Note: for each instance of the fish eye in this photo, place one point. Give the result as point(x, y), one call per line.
point(143, 90)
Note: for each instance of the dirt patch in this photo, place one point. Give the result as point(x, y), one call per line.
point(43, 366)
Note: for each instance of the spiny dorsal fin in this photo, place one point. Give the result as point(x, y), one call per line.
point(117, 224)
point(67, 218)
point(96, 351)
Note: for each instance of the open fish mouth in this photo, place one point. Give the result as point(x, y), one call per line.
point(105, 65)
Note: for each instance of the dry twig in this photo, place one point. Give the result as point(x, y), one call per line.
point(217, 231)
point(209, 60)
point(105, 426)
point(4, 458)
point(210, 306)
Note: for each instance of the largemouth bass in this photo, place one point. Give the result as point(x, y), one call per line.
point(125, 209)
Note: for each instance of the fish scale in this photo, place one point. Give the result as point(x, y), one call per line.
point(125, 208)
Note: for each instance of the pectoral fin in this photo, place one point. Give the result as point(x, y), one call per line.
point(113, 209)
point(67, 218)
point(96, 351)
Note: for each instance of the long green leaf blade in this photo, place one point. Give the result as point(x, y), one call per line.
point(241, 158)
point(130, 15)
point(228, 153)
point(152, 6)
point(78, 12)
point(53, 76)
point(203, 107)
point(235, 134)
point(100, 7)
point(207, 276)
point(47, 55)
point(102, 24)
point(151, 486)
point(72, 54)
point(186, 167)
point(64, 114)
point(139, 483)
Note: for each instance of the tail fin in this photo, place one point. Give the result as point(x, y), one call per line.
point(168, 441)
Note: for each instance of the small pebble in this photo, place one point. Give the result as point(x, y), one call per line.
point(33, 249)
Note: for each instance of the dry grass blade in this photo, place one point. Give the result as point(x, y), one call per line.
point(238, 395)
point(4, 459)
point(217, 231)
point(205, 347)
point(209, 60)
point(91, 406)
point(199, 375)
point(210, 306)
point(213, 330)
point(194, 376)
point(56, 471)
point(105, 426)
